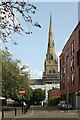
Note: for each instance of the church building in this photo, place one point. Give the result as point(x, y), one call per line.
point(51, 77)
point(50, 74)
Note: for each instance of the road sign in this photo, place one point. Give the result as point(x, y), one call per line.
point(22, 91)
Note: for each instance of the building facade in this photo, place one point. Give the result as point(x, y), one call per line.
point(70, 69)
point(50, 74)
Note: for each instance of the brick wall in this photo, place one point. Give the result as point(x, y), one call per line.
point(53, 93)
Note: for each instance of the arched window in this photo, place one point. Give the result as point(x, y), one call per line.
point(49, 71)
point(50, 57)
point(53, 71)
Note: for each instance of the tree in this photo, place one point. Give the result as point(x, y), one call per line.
point(13, 78)
point(38, 95)
point(10, 23)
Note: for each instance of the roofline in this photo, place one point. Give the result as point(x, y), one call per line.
point(71, 35)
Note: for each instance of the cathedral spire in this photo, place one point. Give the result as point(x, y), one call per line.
point(51, 62)
point(51, 37)
point(50, 26)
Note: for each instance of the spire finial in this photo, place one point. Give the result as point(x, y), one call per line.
point(50, 27)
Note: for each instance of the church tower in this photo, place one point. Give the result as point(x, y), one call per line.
point(51, 61)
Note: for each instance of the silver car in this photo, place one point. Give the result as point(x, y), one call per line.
point(63, 105)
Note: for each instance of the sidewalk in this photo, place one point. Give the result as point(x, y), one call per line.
point(39, 111)
point(11, 113)
point(0, 115)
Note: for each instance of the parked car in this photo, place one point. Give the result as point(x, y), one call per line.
point(63, 105)
point(60, 103)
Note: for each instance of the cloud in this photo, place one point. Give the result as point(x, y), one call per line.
point(24, 66)
point(35, 74)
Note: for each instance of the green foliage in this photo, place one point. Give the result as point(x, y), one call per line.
point(38, 95)
point(54, 101)
point(13, 78)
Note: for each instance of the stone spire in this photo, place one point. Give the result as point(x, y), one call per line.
point(50, 26)
point(51, 62)
point(51, 37)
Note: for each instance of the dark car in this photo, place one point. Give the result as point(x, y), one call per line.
point(63, 105)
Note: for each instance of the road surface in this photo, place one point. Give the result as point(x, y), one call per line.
point(43, 112)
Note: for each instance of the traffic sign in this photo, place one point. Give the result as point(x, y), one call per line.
point(22, 91)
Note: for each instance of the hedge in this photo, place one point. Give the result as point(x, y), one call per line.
point(54, 101)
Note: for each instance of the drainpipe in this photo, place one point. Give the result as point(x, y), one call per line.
point(76, 99)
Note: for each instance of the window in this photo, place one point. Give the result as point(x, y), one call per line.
point(60, 74)
point(78, 57)
point(63, 84)
point(53, 71)
point(64, 70)
point(68, 80)
point(67, 60)
point(79, 39)
point(72, 79)
point(49, 71)
point(50, 57)
point(51, 76)
point(72, 64)
point(60, 85)
point(72, 49)
point(60, 63)
point(63, 60)
point(67, 64)
point(55, 61)
point(79, 77)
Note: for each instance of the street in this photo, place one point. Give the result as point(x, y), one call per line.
point(46, 112)
point(43, 112)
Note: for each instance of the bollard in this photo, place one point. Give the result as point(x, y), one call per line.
point(24, 109)
point(15, 111)
point(2, 113)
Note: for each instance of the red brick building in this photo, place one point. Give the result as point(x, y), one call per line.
point(70, 68)
point(53, 93)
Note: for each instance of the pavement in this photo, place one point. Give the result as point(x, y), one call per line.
point(0, 115)
point(10, 113)
point(42, 112)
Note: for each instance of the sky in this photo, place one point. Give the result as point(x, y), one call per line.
point(31, 49)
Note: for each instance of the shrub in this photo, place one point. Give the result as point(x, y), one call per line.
point(54, 101)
